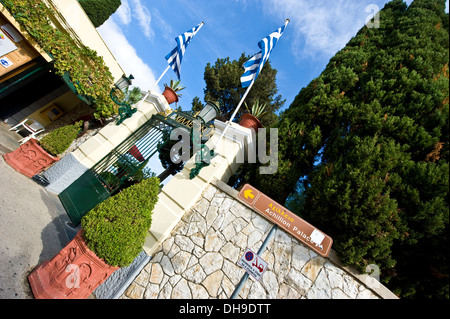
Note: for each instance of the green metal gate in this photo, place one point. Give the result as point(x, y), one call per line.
point(107, 176)
point(131, 156)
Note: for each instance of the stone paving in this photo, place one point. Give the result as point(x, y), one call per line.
point(199, 260)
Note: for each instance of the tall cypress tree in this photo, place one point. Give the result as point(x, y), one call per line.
point(99, 11)
point(369, 138)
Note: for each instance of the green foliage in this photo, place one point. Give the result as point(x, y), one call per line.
point(115, 230)
point(369, 139)
point(88, 72)
point(164, 147)
point(142, 173)
point(257, 110)
point(366, 218)
point(59, 140)
point(109, 180)
point(223, 84)
point(132, 96)
point(99, 11)
point(127, 171)
point(197, 105)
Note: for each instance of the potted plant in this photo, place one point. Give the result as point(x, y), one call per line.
point(34, 156)
point(112, 235)
point(250, 119)
point(171, 91)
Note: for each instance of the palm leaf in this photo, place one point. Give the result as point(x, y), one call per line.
point(257, 110)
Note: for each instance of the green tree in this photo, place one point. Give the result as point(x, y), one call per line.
point(169, 163)
point(197, 105)
point(99, 11)
point(369, 140)
point(223, 83)
point(132, 96)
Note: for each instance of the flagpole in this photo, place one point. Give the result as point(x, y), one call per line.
point(234, 114)
point(286, 21)
point(164, 72)
point(157, 81)
point(168, 67)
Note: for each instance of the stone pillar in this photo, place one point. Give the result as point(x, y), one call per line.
point(181, 193)
point(73, 165)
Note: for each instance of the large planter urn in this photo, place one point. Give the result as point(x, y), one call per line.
point(170, 95)
point(250, 121)
point(74, 273)
point(30, 159)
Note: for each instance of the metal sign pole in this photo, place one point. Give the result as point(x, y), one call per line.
point(244, 278)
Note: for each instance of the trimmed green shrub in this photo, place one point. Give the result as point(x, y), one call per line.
point(115, 230)
point(59, 140)
point(99, 11)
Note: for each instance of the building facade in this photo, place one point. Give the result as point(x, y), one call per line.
point(29, 86)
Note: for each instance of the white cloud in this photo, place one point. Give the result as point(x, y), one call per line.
point(144, 18)
point(124, 13)
point(321, 27)
point(127, 56)
point(163, 26)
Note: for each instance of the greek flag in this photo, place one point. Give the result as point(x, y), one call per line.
point(176, 55)
point(253, 66)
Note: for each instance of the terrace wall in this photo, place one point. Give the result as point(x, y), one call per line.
point(199, 259)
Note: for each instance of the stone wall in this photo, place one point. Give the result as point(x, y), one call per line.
point(199, 259)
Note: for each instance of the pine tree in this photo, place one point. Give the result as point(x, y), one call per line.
point(99, 11)
point(369, 139)
point(223, 83)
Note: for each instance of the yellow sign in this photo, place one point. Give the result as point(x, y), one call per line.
point(249, 194)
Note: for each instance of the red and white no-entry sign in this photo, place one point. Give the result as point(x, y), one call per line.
point(253, 264)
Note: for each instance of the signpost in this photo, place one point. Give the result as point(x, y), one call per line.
point(253, 264)
point(291, 223)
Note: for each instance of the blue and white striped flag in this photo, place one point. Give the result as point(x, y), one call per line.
point(253, 66)
point(176, 55)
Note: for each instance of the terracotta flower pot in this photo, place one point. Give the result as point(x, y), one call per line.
point(74, 273)
point(249, 121)
point(170, 95)
point(30, 159)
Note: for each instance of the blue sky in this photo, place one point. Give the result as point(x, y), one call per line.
point(142, 32)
